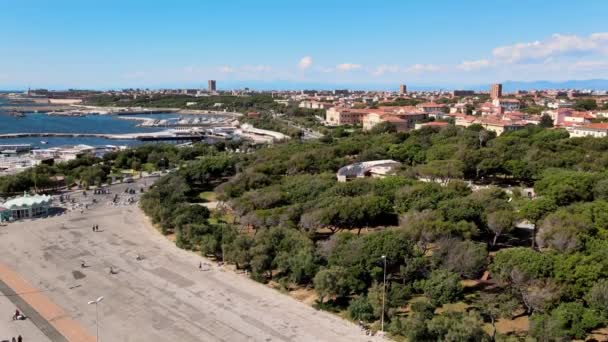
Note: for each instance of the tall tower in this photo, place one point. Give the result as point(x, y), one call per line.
point(402, 89)
point(496, 91)
point(211, 85)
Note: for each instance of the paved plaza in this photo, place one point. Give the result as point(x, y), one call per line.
point(161, 297)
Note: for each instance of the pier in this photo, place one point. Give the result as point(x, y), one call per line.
point(167, 135)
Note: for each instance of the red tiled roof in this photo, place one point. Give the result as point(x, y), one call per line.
point(392, 118)
point(430, 104)
point(436, 123)
point(598, 125)
point(585, 115)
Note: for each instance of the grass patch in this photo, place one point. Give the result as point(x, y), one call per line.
point(208, 196)
point(453, 307)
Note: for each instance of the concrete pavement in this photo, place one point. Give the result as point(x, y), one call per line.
point(164, 297)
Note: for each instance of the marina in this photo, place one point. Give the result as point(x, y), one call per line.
point(170, 134)
point(43, 130)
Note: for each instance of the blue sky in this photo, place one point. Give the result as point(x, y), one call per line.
point(112, 43)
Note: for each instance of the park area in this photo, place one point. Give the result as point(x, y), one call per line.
point(152, 290)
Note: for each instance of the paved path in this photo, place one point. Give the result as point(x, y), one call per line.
point(163, 297)
point(9, 328)
point(50, 319)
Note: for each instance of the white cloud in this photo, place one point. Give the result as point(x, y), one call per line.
point(419, 68)
point(305, 62)
point(383, 69)
point(590, 65)
point(226, 69)
point(348, 66)
point(474, 65)
point(555, 46)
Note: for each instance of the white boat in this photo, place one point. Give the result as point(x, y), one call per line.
point(44, 142)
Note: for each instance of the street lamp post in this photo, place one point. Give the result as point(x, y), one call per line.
point(96, 303)
point(383, 295)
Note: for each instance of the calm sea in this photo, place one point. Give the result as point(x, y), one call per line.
point(40, 122)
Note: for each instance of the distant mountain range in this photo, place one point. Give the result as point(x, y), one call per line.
point(508, 86)
point(595, 84)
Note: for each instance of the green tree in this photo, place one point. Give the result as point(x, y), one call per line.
point(442, 287)
point(546, 121)
point(331, 282)
point(466, 258)
point(535, 210)
point(456, 326)
point(585, 104)
point(597, 297)
point(567, 321)
point(495, 306)
point(360, 309)
point(563, 231)
point(500, 222)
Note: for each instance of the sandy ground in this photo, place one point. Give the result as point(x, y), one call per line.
point(163, 297)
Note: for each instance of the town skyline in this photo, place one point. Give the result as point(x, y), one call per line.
point(273, 45)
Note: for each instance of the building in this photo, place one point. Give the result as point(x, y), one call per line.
point(211, 85)
point(463, 93)
point(314, 104)
point(598, 130)
point(15, 148)
point(27, 206)
point(430, 107)
point(17, 163)
point(437, 124)
point(494, 123)
point(374, 169)
point(402, 89)
point(337, 116)
point(507, 105)
point(496, 91)
point(372, 119)
point(5, 214)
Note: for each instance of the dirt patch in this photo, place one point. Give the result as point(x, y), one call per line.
point(598, 335)
point(453, 307)
point(307, 296)
point(516, 326)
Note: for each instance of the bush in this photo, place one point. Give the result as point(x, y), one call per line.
point(442, 287)
point(567, 321)
point(360, 309)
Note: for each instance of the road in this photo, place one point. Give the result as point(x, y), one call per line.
point(163, 297)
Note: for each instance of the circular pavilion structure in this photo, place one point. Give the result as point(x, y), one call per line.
point(374, 168)
point(27, 206)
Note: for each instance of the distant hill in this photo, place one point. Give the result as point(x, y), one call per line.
point(595, 84)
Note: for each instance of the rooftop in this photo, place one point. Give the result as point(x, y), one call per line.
point(27, 201)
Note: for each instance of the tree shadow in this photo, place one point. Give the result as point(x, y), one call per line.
point(332, 305)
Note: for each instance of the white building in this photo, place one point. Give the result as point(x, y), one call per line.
point(27, 206)
point(508, 105)
point(374, 169)
point(598, 130)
